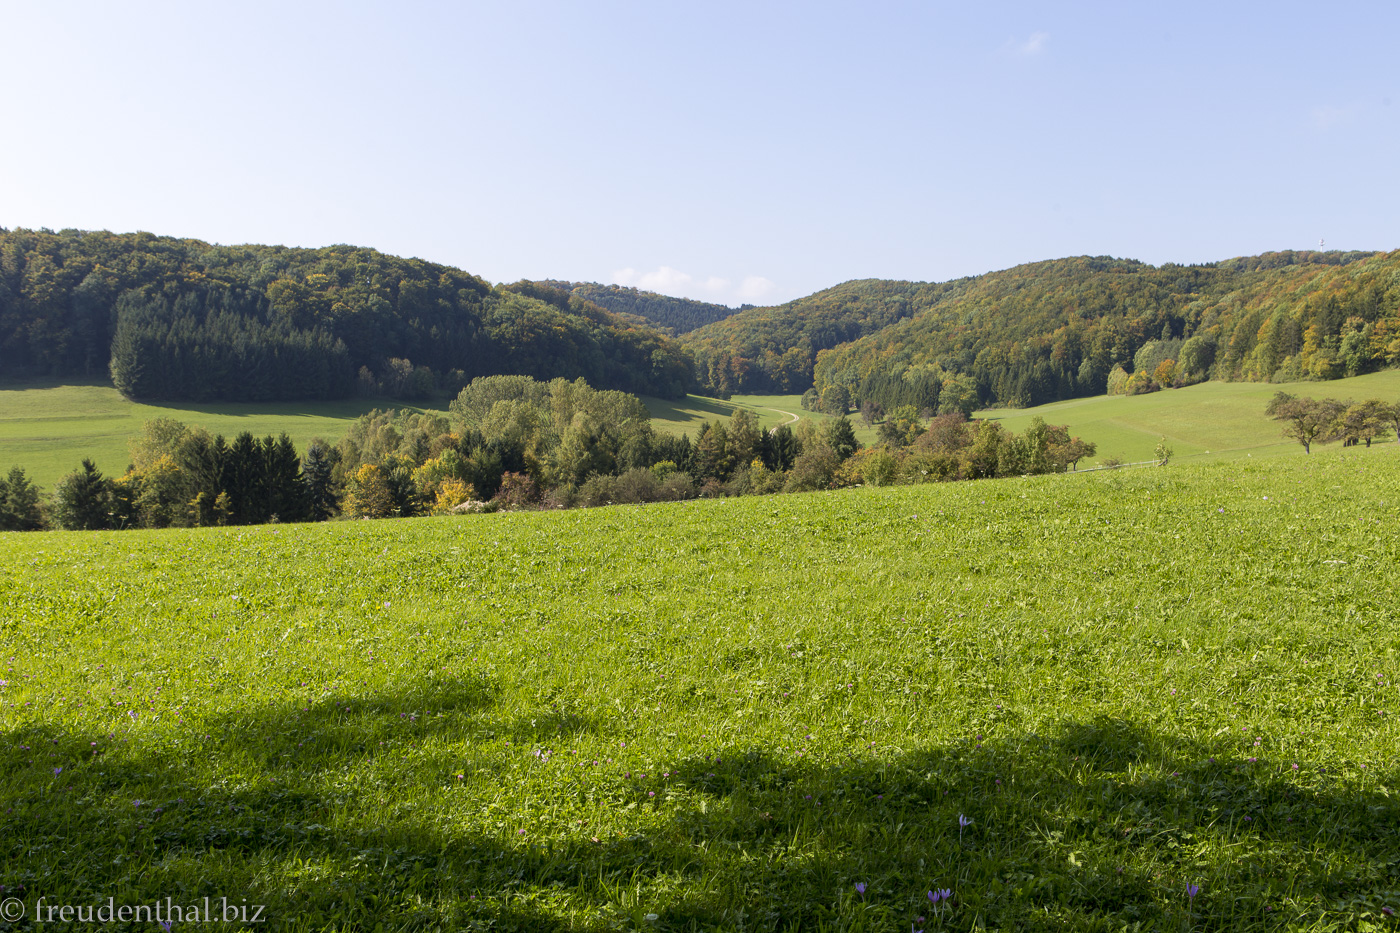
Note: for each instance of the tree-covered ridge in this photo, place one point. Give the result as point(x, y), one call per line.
point(670, 314)
point(1059, 329)
point(184, 319)
point(1063, 329)
point(774, 349)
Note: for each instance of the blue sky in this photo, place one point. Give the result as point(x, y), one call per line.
point(733, 152)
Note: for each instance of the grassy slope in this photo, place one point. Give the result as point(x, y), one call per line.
point(49, 429)
point(727, 713)
point(1215, 418)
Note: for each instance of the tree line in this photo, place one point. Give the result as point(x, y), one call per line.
point(510, 442)
point(183, 319)
point(1319, 420)
point(665, 312)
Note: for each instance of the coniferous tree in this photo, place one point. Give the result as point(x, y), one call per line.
point(317, 469)
point(83, 500)
point(286, 487)
point(243, 479)
point(20, 509)
point(783, 447)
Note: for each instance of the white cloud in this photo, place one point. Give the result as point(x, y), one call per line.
point(669, 281)
point(754, 287)
point(1027, 47)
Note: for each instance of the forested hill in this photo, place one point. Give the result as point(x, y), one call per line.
point(183, 319)
point(1068, 327)
point(672, 315)
point(774, 349)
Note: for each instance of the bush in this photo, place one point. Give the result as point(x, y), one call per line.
point(598, 489)
point(562, 497)
point(518, 491)
point(637, 485)
point(740, 483)
point(815, 469)
point(676, 487)
point(712, 489)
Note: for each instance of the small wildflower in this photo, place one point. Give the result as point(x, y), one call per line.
point(1192, 890)
point(860, 887)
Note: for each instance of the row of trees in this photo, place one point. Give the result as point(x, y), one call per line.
point(515, 442)
point(1313, 420)
point(182, 477)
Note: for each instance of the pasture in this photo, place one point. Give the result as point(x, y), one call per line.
point(1159, 699)
point(48, 429)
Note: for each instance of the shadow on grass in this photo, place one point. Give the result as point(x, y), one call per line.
point(687, 408)
point(1097, 824)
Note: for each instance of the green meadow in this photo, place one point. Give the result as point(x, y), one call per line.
point(1158, 699)
point(1212, 419)
point(48, 428)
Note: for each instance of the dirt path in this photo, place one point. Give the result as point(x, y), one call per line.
point(793, 419)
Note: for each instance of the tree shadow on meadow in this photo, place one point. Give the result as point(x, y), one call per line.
point(326, 811)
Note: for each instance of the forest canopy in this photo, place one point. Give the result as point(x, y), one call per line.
point(183, 319)
point(186, 320)
point(1060, 329)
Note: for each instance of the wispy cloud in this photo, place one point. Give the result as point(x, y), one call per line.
point(1034, 45)
point(669, 281)
point(754, 287)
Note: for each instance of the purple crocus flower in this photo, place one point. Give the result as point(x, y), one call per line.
point(860, 887)
point(1192, 890)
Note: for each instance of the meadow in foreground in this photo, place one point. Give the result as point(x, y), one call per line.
point(1158, 699)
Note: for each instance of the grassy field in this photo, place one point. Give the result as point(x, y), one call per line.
point(48, 429)
point(1159, 699)
point(687, 415)
point(1213, 419)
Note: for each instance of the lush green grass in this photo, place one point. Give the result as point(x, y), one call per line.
point(1212, 419)
point(728, 713)
point(49, 428)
